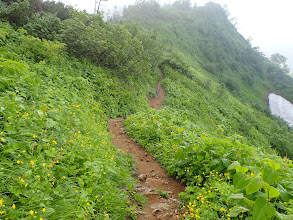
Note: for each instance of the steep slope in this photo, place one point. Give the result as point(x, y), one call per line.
point(56, 156)
point(215, 131)
point(216, 63)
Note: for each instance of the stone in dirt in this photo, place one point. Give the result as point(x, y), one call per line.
point(142, 177)
point(156, 209)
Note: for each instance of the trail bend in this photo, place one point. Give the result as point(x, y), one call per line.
point(150, 174)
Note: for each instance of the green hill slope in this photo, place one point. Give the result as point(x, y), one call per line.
point(64, 73)
point(222, 80)
point(56, 156)
point(215, 132)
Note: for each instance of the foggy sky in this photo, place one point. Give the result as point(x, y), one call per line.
point(267, 22)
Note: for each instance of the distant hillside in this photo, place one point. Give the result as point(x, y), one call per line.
point(208, 40)
point(201, 44)
point(215, 132)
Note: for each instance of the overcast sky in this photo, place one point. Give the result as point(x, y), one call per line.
point(267, 22)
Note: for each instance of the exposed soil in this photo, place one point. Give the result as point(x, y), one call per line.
point(151, 176)
point(157, 101)
point(149, 173)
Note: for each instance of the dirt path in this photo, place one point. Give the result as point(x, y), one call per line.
point(149, 173)
point(156, 102)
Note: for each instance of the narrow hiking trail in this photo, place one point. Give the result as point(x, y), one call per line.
point(149, 173)
point(157, 101)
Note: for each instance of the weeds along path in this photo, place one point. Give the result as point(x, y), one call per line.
point(160, 189)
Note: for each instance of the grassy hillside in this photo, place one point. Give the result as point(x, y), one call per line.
point(214, 76)
point(56, 156)
point(215, 132)
point(64, 73)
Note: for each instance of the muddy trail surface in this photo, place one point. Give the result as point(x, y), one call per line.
point(157, 101)
point(149, 173)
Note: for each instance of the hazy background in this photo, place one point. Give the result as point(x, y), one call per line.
point(267, 22)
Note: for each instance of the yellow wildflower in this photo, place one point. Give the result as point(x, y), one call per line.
point(13, 206)
point(2, 139)
point(31, 212)
point(44, 210)
point(32, 162)
point(222, 209)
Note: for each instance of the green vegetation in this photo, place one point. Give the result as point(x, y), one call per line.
point(64, 73)
point(56, 156)
point(216, 133)
point(162, 193)
point(225, 177)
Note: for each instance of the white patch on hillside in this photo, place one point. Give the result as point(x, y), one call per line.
point(281, 108)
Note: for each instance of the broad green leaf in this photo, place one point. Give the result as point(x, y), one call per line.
point(50, 153)
point(269, 175)
point(214, 162)
point(274, 165)
point(255, 185)
point(40, 113)
point(240, 180)
point(241, 169)
point(249, 202)
point(287, 217)
point(44, 109)
point(271, 192)
point(51, 123)
point(237, 210)
point(236, 196)
point(263, 209)
point(179, 154)
point(234, 165)
point(284, 194)
point(280, 215)
point(112, 169)
point(9, 150)
point(226, 162)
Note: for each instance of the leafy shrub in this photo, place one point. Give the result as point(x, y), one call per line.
point(232, 85)
point(17, 12)
point(45, 26)
point(57, 8)
point(39, 50)
point(111, 46)
point(175, 61)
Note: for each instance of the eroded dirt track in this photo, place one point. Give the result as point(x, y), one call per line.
point(149, 173)
point(157, 101)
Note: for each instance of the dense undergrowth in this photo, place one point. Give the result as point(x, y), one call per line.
point(216, 133)
point(64, 73)
point(57, 160)
point(226, 178)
